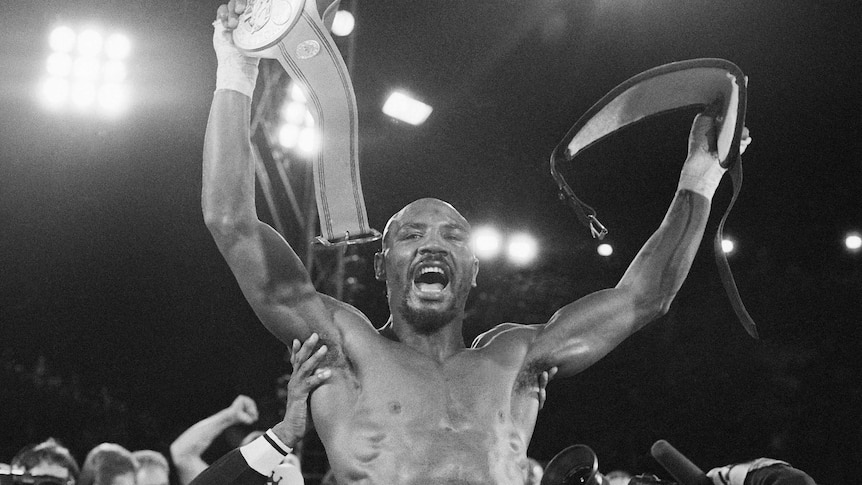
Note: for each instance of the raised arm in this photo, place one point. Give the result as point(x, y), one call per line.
point(271, 276)
point(583, 332)
point(187, 449)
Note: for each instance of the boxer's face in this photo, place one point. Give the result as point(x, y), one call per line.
point(427, 263)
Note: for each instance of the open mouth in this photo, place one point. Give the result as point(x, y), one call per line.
point(430, 279)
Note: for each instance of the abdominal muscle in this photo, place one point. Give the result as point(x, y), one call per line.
point(426, 455)
point(395, 432)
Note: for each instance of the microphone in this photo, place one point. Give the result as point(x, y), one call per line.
point(683, 470)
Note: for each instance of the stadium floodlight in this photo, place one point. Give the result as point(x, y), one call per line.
point(853, 242)
point(59, 64)
point(55, 92)
point(403, 107)
point(118, 47)
point(486, 242)
point(113, 98)
point(90, 43)
point(522, 249)
point(62, 39)
point(605, 250)
point(308, 140)
point(86, 70)
point(343, 23)
point(288, 135)
point(728, 246)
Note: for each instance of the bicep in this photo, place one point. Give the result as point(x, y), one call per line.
point(582, 332)
point(276, 283)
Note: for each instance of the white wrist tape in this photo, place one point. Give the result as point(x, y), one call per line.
point(265, 453)
point(236, 71)
point(700, 180)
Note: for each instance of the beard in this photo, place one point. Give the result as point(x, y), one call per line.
point(425, 320)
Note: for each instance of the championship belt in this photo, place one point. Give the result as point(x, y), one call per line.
point(293, 32)
point(698, 82)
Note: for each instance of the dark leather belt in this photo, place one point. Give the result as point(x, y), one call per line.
point(685, 84)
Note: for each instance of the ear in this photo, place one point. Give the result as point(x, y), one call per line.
point(380, 266)
point(475, 271)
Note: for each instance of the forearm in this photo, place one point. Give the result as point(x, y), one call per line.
point(661, 266)
point(194, 441)
point(228, 164)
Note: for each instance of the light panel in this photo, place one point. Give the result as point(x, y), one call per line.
point(403, 107)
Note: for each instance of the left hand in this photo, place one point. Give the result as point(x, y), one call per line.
point(305, 378)
point(702, 172)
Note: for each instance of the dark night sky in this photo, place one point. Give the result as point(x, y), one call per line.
point(109, 273)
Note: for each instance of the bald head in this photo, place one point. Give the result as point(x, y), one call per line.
point(426, 205)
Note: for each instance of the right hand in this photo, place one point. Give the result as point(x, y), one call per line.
point(228, 14)
point(243, 410)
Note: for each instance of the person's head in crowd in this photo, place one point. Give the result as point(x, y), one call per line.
point(153, 468)
point(48, 458)
point(618, 477)
point(108, 464)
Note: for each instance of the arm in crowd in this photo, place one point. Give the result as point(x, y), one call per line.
point(187, 449)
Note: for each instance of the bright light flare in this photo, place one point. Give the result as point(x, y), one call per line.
point(114, 72)
point(118, 47)
point(86, 68)
point(296, 93)
point(487, 242)
point(288, 136)
point(343, 23)
point(90, 43)
point(605, 250)
point(728, 246)
point(83, 95)
point(308, 140)
point(62, 39)
point(853, 242)
point(59, 64)
point(522, 249)
point(405, 108)
point(54, 92)
point(113, 99)
point(294, 112)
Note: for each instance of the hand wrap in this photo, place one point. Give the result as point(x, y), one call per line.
point(236, 71)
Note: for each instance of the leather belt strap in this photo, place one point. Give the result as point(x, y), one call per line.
point(293, 32)
point(697, 82)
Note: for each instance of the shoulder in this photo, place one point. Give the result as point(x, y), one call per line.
point(344, 313)
point(507, 333)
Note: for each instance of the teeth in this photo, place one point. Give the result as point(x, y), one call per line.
point(431, 269)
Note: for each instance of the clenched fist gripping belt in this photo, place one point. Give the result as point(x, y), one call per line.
point(692, 83)
point(293, 32)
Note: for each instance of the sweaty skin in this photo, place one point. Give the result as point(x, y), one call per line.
point(410, 403)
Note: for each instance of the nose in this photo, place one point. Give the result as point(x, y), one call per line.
point(433, 244)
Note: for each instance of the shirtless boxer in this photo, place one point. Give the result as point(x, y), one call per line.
point(411, 404)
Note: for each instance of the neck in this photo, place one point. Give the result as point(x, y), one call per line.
point(438, 345)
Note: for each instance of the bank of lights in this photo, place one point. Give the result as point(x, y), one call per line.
point(521, 249)
point(297, 131)
point(86, 71)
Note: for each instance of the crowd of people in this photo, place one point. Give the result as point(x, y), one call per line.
point(268, 456)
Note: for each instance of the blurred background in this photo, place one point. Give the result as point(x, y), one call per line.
point(120, 321)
